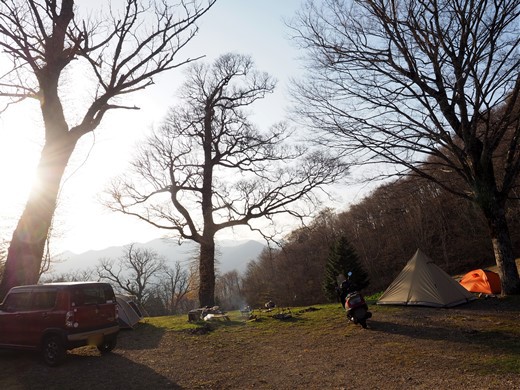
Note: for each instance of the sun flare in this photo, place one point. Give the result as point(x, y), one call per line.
point(18, 161)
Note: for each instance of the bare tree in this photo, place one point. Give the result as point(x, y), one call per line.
point(429, 86)
point(124, 52)
point(228, 291)
point(261, 280)
point(208, 168)
point(79, 275)
point(135, 272)
point(173, 287)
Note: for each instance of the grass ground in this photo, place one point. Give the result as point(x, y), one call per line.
point(475, 346)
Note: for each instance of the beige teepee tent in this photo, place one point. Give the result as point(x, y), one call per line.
point(423, 283)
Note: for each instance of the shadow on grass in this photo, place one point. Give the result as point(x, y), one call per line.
point(144, 336)
point(492, 339)
point(492, 304)
point(25, 370)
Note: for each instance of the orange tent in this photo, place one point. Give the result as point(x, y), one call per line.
point(482, 281)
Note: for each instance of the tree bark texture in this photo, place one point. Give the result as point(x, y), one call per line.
point(207, 273)
point(502, 246)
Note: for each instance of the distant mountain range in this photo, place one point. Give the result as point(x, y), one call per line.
point(231, 255)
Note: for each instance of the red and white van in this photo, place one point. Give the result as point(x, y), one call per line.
point(57, 317)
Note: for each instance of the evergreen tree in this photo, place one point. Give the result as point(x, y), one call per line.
point(342, 260)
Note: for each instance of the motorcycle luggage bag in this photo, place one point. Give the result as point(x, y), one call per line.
point(354, 300)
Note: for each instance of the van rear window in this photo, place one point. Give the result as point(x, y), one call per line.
point(109, 294)
point(89, 295)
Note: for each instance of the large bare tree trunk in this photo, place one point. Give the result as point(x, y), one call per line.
point(28, 242)
point(207, 273)
point(25, 254)
point(503, 249)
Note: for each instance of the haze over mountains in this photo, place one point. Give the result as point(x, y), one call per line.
point(231, 255)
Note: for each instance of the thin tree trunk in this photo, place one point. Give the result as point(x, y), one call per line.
point(207, 273)
point(25, 253)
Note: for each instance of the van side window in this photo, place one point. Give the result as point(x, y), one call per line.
point(44, 300)
point(18, 301)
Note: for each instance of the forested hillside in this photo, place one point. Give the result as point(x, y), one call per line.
point(385, 228)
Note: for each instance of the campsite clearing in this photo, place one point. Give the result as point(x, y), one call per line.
point(475, 345)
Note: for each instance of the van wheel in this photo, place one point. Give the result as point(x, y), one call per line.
point(53, 350)
point(109, 343)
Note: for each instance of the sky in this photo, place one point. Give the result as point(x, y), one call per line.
point(253, 27)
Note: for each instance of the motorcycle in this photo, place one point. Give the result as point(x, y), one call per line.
point(355, 304)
